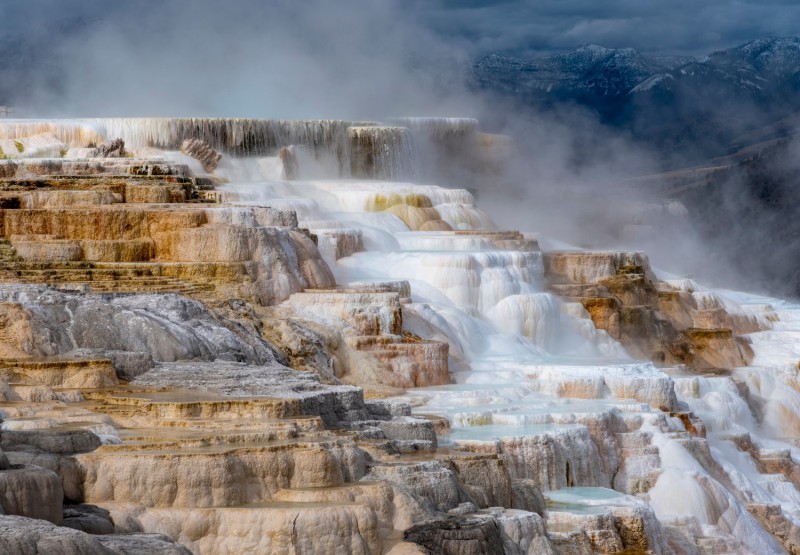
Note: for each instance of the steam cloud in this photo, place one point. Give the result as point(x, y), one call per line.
point(315, 59)
point(358, 59)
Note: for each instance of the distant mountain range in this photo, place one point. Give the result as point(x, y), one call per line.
point(697, 105)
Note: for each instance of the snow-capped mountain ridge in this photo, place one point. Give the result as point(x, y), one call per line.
point(692, 106)
point(617, 72)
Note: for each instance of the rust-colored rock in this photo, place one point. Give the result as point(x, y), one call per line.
point(203, 152)
point(291, 167)
point(652, 320)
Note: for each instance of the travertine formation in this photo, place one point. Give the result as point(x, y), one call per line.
point(359, 366)
point(648, 316)
point(113, 224)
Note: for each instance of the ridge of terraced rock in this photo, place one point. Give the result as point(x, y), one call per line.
point(181, 373)
point(651, 318)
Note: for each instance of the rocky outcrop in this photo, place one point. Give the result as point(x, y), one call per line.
point(778, 524)
point(496, 531)
point(59, 442)
point(25, 536)
point(283, 528)
point(230, 477)
point(459, 536)
point(286, 391)
point(163, 328)
point(203, 152)
point(372, 347)
point(32, 492)
point(67, 212)
point(64, 466)
point(110, 149)
point(650, 318)
point(427, 480)
point(89, 519)
point(619, 525)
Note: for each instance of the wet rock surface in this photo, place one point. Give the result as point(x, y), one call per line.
point(651, 318)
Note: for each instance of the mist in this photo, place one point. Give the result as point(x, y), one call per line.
point(281, 59)
point(355, 60)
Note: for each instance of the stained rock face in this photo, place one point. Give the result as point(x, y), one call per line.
point(651, 318)
point(203, 152)
point(114, 213)
point(381, 152)
point(32, 492)
point(291, 167)
point(164, 328)
point(40, 145)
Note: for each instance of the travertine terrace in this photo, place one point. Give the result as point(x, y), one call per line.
point(303, 351)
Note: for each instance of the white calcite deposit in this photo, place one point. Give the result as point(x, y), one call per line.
point(304, 351)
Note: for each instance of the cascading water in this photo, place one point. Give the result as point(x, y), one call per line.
point(381, 152)
point(240, 136)
point(439, 128)
point(529, 369)
point(367, 149)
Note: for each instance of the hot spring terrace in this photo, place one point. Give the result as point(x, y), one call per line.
point(301, 350)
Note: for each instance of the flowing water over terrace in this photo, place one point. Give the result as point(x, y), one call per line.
point(526, 378)
point(526, 365)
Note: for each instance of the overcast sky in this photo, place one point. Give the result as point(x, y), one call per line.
point(309, 58)
point(669, 26)
point(680, 26)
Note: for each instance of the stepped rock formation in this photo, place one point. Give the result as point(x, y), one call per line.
point(270, 361)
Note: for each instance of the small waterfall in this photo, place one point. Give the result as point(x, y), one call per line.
point(381, 152)
point(235, 136)
point(326, 139)
point(72, 132)
point(452, 149)
point(361, 149)
point(439, 129)
point(251, 170)
point(535, 315)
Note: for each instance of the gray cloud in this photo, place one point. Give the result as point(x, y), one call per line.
point(282, 58)
point(367, 59)
point(671, 26)
point(347, 58)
